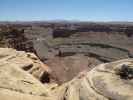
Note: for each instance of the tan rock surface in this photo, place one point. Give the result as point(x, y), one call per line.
point(27, 61)
point(17, 84)
point(101, 83)
point(104, 82)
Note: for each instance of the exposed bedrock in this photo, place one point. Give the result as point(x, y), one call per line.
point(104, 82)
point(108, 81)
point(28, 62)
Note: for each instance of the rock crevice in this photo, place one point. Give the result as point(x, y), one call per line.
point(108, 81)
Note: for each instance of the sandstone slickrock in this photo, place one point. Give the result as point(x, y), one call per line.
point(27, 61)
point(106, 81)
point(101, 83)
point(17, 84)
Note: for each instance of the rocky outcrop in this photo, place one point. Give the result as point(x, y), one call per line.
point(18, 84)
point(105, 82)
point(13, 37)
point(108, 81)
point(26, 61)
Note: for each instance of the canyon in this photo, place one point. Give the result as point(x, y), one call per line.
point(66, 61)
point(69, 48)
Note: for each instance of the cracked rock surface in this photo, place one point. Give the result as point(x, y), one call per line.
point(27, 61)
point(101, 83)
point(104, 82)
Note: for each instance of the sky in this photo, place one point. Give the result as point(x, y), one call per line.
point(77, 10)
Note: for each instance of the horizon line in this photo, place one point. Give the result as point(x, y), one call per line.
point(63, 20)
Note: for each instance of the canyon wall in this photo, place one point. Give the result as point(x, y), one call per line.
point(65, 47)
